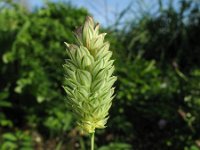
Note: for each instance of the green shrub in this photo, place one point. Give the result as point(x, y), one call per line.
point(31, 61)
point(16, 140)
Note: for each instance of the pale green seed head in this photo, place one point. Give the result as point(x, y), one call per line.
point(89, 79)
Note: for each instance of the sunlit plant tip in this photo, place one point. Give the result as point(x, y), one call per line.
point(89, 77)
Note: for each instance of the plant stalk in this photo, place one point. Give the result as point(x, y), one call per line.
point(92, 141)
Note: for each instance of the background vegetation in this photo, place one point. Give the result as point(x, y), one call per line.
point(157, 102)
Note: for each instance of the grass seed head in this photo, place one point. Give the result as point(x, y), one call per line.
point(88, 77)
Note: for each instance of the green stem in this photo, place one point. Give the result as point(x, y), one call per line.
point(92, 141)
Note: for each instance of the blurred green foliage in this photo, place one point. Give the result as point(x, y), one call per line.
point(157, 102)
point(158, 79)
point(17, 140)
point(32, 54)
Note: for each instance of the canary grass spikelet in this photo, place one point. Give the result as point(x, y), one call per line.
point(88, 77)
